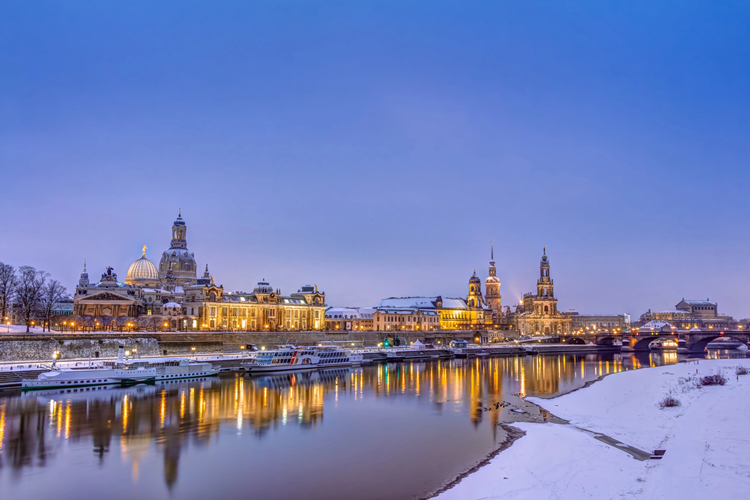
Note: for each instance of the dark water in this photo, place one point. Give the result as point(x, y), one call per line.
point(394, 431)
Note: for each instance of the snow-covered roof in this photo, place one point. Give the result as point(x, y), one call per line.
point(699, 302)
point(421, 302)
point(657, 325)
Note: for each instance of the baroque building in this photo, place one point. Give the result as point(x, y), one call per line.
point(172, 297)
point(691, 314)
point(538, 314)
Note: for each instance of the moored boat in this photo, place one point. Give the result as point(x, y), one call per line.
point(663, 345)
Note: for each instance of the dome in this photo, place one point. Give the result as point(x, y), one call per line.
point(474, 278)
point(142, 272)
point(263, 287)
point(171, 309)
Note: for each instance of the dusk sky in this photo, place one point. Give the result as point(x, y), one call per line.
point(375, 149)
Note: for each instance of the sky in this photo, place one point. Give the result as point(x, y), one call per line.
point(377, 148)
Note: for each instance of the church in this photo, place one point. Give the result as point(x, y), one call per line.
point(171, 297)
point(538, 314)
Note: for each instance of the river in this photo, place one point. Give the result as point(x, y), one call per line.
point(396, 431)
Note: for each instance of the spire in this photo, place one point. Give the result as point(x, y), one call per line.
point(179, 213)
point(206, 274)
point(492, 250)
point(545, 250)
point(84, 266)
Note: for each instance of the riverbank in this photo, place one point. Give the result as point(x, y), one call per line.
point(706, 443)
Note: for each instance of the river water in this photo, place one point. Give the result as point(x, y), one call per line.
point(396, 431)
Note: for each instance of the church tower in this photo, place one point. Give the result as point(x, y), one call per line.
point(178, 258)
point(545, 288)
point(474, 299)
point(492, 287)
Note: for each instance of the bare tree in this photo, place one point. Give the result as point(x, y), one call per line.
point(52, 292)
point(28, 293)
point(8, 282)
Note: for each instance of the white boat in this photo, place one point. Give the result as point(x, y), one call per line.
point(284, 359)
point(290, 358)
point(663, 345)
point(120, 372)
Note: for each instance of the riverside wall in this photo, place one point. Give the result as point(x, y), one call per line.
point(39, 347)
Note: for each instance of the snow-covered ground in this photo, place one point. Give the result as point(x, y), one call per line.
point(19, 329)
point(706, 441)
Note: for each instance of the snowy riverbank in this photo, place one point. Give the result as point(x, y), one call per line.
point(706, 441)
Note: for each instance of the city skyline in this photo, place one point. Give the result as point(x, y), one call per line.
point(377, 149)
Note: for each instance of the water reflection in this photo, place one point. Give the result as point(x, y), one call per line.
point(40, 431)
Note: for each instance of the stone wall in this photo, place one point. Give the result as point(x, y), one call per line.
point(38, 347)
point(42, 349)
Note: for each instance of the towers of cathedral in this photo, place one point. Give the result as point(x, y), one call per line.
point(538, 314)
point(178, 258)
point(492, 288)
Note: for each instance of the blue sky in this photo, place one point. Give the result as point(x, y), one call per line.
point(376, 148)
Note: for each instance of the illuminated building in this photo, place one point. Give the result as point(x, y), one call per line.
point(170, 296)
point(538, 314)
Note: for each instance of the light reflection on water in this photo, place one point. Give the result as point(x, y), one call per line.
point(390, 431)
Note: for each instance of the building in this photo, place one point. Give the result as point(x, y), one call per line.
point(492, 290)
point(396, 318)
point(350, 318)
point(538, 314)
point(690, 314)
point(172, 297)
point(588, 323)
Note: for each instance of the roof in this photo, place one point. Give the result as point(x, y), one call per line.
point(697, 302)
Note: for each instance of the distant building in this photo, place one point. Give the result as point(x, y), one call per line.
point(538, 314)
point(600, 322)
point(349, 318)
point(690, 314)
point(172, 296)
point(436, 313)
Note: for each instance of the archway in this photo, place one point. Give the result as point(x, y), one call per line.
point(699, 346)
point(642, 343)
point(575, 340)
point(606, 341)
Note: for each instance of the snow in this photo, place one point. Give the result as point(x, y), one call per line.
point(19, 329)
point(707, 448)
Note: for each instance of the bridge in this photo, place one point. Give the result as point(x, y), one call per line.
point(694, 341)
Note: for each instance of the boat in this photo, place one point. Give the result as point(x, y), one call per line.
point(120, 372)
point(663, 345)
point(335, 356)
point(284, 359)
point(722, 343)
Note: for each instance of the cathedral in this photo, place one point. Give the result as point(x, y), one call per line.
point(538, 314)
point(172, 297)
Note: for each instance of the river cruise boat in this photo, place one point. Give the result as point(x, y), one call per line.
point(290, 358)
point(121, 372)
point(284, 359)
point(63, 378)
point(663, 345)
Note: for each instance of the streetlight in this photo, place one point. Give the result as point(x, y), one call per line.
point(193, 349)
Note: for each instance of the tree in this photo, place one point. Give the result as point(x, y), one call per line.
point(8, 281)
point(51, 293)
point(28, 293)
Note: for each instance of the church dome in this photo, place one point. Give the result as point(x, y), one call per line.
point(474, 278)
point(142, 272)
point(263, 287)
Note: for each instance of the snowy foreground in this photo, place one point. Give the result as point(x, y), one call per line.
point(706, 441)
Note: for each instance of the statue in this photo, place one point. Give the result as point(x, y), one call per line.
point(144, 249)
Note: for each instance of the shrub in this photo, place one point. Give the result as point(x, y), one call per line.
point(717, 379)
point(741, 370)
point(669, 402)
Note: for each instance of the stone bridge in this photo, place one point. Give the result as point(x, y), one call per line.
point(695, 342)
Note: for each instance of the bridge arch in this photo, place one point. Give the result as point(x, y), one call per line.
point(574, 340)
point(606, 341)
point(642, 343)
point(699, 346)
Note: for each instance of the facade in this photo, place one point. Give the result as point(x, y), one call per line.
point(435, 313)
point(492, 290)
point(350, 318)
point(538, 314)
point(170, 296)
point(691, 314)
point(588, 323)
